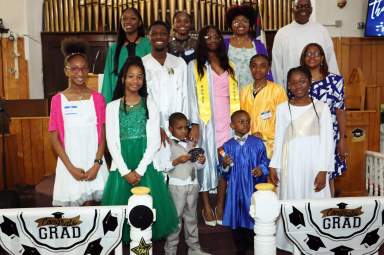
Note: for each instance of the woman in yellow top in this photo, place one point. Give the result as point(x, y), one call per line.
point(260, 100)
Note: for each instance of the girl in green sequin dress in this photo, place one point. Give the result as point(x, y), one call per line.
point(133, 137)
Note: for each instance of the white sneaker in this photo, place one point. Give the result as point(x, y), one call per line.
point(197, 252)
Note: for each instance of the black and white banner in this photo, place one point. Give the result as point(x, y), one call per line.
point(335, 226)
point(67, 230)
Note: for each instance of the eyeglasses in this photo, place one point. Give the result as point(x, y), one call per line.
point(313, 54)
point(237, 22)
point(302, 6)
point(212, 38)
point(78, 69)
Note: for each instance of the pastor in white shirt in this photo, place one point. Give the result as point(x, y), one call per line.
point(291, 39)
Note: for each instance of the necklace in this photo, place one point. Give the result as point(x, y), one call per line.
point(257, 90)
point(240, 40)
point(131, 105)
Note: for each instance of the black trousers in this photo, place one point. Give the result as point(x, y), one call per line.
point(243, 239)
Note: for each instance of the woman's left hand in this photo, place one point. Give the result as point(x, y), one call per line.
point(92, 172)
point(320, 181)
point(342, 149)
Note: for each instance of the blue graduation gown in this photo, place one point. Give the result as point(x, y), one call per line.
point(241, 182)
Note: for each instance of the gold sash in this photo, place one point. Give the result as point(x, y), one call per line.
point(203, 98)
point(306, 124)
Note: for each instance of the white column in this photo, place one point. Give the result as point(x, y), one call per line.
point(265, 209)
point(140, 204)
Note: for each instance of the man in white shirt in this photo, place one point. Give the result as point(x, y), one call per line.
point(292, 38)
point(166, 77)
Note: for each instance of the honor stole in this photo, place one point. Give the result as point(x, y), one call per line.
point(203, 97)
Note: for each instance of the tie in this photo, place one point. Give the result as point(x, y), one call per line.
point(241, 139)
point(131, 47)
point(182, 140)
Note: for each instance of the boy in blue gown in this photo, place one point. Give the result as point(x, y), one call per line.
point(244, 164)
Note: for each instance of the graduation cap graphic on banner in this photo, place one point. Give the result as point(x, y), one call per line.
point(371, 238)
point(9, 227)
point(314, 242)
point(342, 250)
point(94, 248)
point(109, 222)
point(58, 215)
point(342, 205)
point(30, 250)
point(296, 217)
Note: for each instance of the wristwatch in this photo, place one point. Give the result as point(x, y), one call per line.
point(98, 161)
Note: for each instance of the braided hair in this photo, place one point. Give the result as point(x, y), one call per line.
point(307, 73)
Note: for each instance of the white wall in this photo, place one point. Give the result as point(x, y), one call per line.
point(355, 11)
point(24, 17)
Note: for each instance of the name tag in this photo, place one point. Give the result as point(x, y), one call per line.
point(70, 109)
point(265, 115)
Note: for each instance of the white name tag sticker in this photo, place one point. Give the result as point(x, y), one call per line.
point(265, 115)
point(70, 110)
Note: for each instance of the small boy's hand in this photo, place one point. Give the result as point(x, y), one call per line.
point(201, 159)
point(227, 161)
point(181, 160)
point(256, 172)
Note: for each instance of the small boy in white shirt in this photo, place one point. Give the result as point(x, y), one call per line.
point(180, 160)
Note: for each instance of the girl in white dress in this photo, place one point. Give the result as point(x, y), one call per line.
point(77, 133)
point(304, 146)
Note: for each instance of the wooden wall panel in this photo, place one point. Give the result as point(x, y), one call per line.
point(27, 148)
point(37, 152)
point(50, 157)
point(352, 182)
point(1, 70)
point(35, 157)
point(366, 53)
point(11, 161)
point(15, 128)
point(14, 88)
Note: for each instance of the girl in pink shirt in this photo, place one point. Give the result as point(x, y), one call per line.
point(76, 127)
point(214, 90)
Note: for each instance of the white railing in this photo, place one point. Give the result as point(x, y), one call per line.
point(319, 226)
point(374, 173)
point(79, 230)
